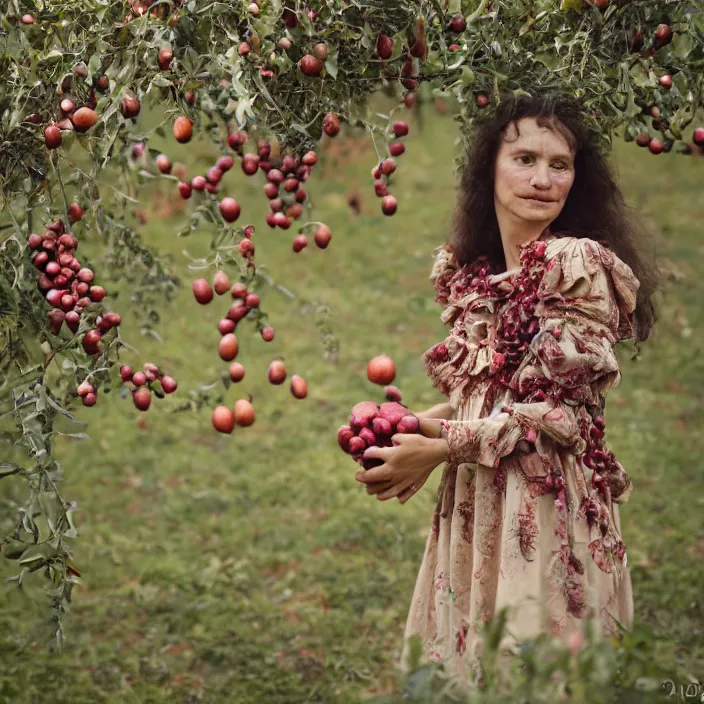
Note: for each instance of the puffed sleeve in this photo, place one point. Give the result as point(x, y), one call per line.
point(585, 301)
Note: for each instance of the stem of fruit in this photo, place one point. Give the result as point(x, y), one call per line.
point(57, 171)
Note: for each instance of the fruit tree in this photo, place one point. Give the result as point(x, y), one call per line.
point(265, 81)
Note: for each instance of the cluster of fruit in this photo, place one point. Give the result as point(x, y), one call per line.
point(143, 384)
point(386, 167)
point(224, 419)
point(373, 425)
point(66, 285)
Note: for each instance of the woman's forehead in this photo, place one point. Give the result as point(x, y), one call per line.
point(527, 132)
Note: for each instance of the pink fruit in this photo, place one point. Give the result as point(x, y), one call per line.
point(126, 372)
point(299, 386)
point(408, 424)
point(163, 163)
point(362, 414)
point(300, 243)
point(202, 291)
point(142, 399)
point(223, 419)
point(392, 411)
point(344, 435)
point(400, 128)
point(90, 400)
point(267, 333)
point(367, 434)
point(276, 372)
point(331, 124)
point(244, 413)
point(322, 236)
point(392, 394)
point(226, 326)
point(238, 290)
point(356, 446)
point(169, 384)
point(236, 371)
point(229, 209)
point(228, 347)
point(184, 190)
point(388, 205)
point(84, 388)
point(139, 378)
point(221, 283)
point(381, 426)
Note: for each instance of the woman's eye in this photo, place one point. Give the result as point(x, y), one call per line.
point(525, 156)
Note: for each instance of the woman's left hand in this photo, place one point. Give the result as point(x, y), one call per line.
point(407, 466)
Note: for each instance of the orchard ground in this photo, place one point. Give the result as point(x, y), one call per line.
point(253, 568)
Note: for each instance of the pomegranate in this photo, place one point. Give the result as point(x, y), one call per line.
point(183, 129)
point(381, 370)
point(83, 119)
point(244, 413)
point(276, 373)
point(310, 65)
point(299, 386)
point(236, 372)
point(228, 347)
point(52, 137)
point(229, 209)
point(202, 291)
point(331, 124)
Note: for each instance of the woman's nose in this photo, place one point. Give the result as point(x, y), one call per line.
point(541, 176)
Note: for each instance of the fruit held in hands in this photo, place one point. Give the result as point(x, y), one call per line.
point(381, 370)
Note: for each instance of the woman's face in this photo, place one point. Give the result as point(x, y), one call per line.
point(533, 174)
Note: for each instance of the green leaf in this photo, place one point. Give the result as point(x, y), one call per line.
point(9, 468)
point(331, 65)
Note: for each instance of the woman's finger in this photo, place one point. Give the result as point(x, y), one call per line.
point(382, 473)
point(392, 492)
point(377, 487)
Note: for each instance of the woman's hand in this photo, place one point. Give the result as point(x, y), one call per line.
point(407, 466)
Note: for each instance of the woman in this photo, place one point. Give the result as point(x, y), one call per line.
point(542, 277)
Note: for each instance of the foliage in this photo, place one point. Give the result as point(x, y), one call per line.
point(53, 49)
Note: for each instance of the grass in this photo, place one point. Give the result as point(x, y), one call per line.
point(253, 568)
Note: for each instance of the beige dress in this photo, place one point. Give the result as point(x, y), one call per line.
point(527, 513)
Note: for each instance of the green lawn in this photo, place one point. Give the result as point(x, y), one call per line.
point(253, 568)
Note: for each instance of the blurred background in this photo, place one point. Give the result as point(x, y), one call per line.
point(252, 567)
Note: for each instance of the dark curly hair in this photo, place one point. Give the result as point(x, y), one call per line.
point(594, 208)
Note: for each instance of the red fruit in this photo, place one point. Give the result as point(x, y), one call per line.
point(252, 300)
point(226, 325)
point(393, 412)
point(381, 370)
point(271, 190)
point(397, 148)
point(458, 24)
point(384, 46)
point(224, 163)
point(73, 321)
point(102, 83)
point(130, 106)
point(310, 65)
point(380, 188)
point(310, 158)
point(236, 372)
point(408, 424)
point(96, 293)
point(223, 420)
point(400, 128)
point(56, 320)
point(164, 58)
point(344, 435)
point(151, 371)
point(86, 275)
point(267, 333)
point(380, 426)
point(34, 241)
point(75, 213)
point(52, 269)
point(244, 413)
point(250, 164)
point(698, 136)
point(183, 129)
point(237, 311)
point(299, 386)
point(392, 394)
point(320, 51)
point(238, 290)
point(84, 388)
point(198, 183)
point(276, 204)
point(276, 373)
point(356, 446)
point(90, 400)
point(331, 124)
point(169, 384)
point(229, 209)
point(126, 372)
point(388, 205)
point(300, 243)
point(665, 81)
point(243, 49)
point(92, 337)
point(83, 119)
point(290, 185)
point(184, 190)
point(67, 105)
point(163, 163)
point(663, 35)
point(202, 291)
point(290, 18)
point(138, 149)
point(322, 236)
point(643, 139)
point(282, 221)
point(236, 139)
point(40, 259)
point(294, 211)
point(388, 166)
point(139, 378)
point(52, 137)
point(246, 248)
point(481, 100)
point(27, 19)
point(221, 283)
point(275, 176)
point(228, 347)
point(213, 175)
point(363, 414)
point(142, 398)
point(655, 146)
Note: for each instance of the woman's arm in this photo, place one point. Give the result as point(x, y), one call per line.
point(440, 410)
